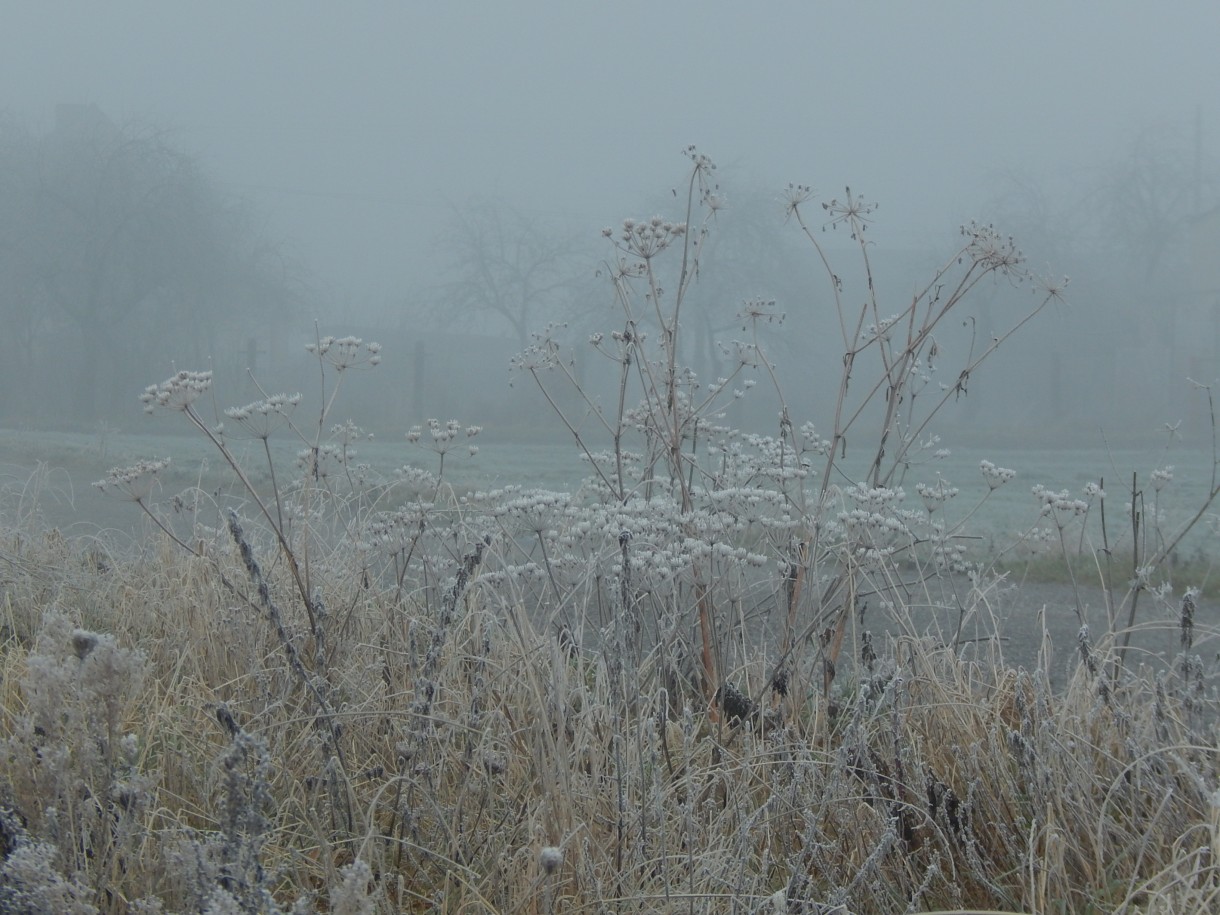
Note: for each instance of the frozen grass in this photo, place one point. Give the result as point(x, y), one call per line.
point(73, 460)
point(149, 755)
point(698, 683)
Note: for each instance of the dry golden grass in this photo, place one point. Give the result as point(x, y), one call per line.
point(468, 746)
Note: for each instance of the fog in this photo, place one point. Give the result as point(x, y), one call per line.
point(353, 158)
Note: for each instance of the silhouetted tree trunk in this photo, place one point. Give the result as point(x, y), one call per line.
point(115, 236)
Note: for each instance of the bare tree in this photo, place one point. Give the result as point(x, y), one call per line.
point(749, 257)
point(1145, 200)
point(501, 263)
point(1123, 228)
point(116, 234)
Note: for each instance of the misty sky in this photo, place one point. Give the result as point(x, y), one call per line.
point(351, 125)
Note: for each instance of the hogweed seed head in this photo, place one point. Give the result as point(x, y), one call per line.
point(852, 211)
point(83, 642)
point(935, 496)
point(646, 239)
point(134, 483)
point(177, 392)
point(263, 417)
point(794, 195)
point(996, 476)
point(1052, 288)
point(988, 249)
point(1059, 505)
point(346, 352)
point(351, 897)
point(551, 859)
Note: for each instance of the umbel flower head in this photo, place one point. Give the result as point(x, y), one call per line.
point(177, 392)
point(346, 352)
point(996, 476)
point(134, 483)
point(263, 417)
point(442, 437)
point(647, 238)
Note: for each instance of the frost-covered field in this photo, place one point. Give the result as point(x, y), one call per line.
point(438, 713)
point(377, 671)
point(74, 461)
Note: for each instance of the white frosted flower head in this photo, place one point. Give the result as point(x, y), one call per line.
point(852, 212)
point(865, 495)
point(881, 329)
point(1038, 540)
point(222, 902)
point(647, 238)
point(1053, 287)
point(134, 483)
point(1162, 477)
point(346, 352)
point(177, 392)
point(551, 859)
point(129, 746)
point(996, 476)
point(263, 417)
point(1143, 576)
point(541, 355)
point(760, 311)
point(1059, 504)
point(811, 441)
point(324, 460)
point(989, 249)
point(794, 195)
point(351, 896)
point(934, 496)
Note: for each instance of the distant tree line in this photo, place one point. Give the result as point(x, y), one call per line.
point(118, 256)
point(1136, 233)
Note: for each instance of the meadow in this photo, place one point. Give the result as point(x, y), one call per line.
point(63, 465)
point(670, 667)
